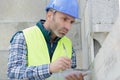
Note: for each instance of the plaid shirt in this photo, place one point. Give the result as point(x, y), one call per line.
point(17, 62)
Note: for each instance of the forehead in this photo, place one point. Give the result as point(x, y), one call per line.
point(65, 15)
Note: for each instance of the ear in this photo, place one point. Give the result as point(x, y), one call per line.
point(49, 15)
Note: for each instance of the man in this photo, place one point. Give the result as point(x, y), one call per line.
point(37, 52)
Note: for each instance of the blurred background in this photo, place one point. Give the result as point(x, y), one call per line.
point(87, 34)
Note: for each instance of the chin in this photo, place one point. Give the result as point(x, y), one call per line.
point(60, 35)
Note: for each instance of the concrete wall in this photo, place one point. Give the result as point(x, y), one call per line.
point(98, 17)
point(16, 15)
point(107, 61)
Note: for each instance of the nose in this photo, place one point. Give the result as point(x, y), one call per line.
point(68, 26)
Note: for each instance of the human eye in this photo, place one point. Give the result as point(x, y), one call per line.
point(72, 22)
point(65, 19)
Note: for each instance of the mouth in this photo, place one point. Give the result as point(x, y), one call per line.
point(64, 33)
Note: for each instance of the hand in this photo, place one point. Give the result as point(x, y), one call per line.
point(60, 64)
point(74, 76)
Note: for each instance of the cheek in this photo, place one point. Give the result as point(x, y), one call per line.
point(56, 25)
point(53, 26)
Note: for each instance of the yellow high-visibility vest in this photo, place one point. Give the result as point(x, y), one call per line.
point(37, 47)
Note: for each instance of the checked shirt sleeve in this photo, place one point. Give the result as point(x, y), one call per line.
point(73, 59)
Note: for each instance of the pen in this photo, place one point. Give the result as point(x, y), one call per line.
point(65, 50)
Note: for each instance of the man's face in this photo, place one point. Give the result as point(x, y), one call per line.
point(60, 24)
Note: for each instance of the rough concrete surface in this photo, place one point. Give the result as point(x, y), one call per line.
point(3, 65)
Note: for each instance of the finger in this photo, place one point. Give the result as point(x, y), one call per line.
point(81, 77)
point(72, 76)
point(63, 63)
point(68, 78)
point(63, 67)
point(66, 62)
point(66, 66)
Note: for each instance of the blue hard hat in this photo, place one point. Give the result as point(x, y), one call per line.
point(69, 7)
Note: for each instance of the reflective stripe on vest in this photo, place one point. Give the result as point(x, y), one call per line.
point(37, 47)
